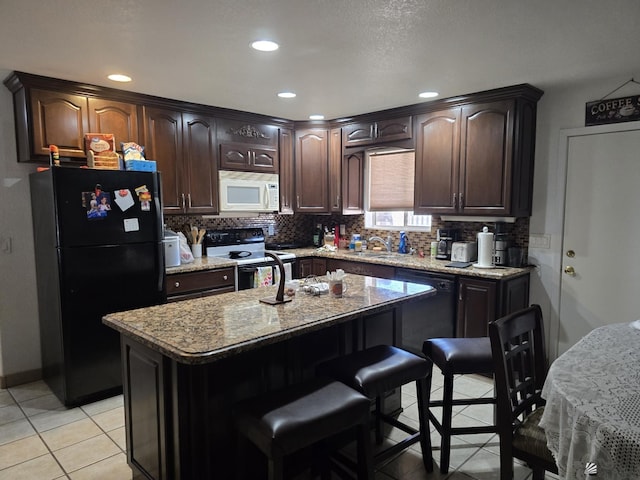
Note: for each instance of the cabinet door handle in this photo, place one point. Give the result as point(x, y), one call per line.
point(177, 284)
point(454, 200)
point(460, 295)
point(461, 200)
point(189, 197)
point(183, 201)
point(298, 200)
point(374, 127)
point(225, 277)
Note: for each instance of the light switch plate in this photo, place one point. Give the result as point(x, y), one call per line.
point(541, 240)
point(5, 245)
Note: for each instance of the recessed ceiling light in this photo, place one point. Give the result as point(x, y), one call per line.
point(117, 77)
point(428, 94)
point(265, 45)
point(287, 95)
point(316, 117)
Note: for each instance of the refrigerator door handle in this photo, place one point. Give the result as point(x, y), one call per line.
point(161, 270)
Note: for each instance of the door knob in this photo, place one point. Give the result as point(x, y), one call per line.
point(571, 253)
point(569, 270)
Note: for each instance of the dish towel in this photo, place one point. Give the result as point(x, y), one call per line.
point(263, 277)
point(287, 273)
point(288, 276)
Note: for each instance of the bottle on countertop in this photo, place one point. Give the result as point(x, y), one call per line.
point(318, 236)
point(403, 246)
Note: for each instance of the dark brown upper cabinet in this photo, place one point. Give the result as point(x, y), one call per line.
point(183, 146)
point(110, 116)
point(247, 158)
point(476, 159)
point(59, 119)
point(353, 183)
point(287, 175)
point(57, 112)
point(370, 133)
point(312, 170)
point(335, 170)
point(248, 147)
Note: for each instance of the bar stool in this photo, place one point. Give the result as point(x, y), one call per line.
point(284, 422)
point(377, 370)
point(457, 356)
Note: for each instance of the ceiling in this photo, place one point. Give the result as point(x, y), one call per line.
point(341, 57)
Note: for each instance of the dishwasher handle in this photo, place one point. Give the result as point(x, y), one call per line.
point(442, 283)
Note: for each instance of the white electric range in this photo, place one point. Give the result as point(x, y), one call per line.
point(246, 246)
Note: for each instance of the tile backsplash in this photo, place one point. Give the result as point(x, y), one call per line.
point(299, 228)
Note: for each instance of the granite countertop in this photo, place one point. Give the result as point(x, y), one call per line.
point(206, 329)
point(203, 263)
point(400, 260)
point(394, 260)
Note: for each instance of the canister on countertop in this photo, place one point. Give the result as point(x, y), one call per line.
point(434, 249)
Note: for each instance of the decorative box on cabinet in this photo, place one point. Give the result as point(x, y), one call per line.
point(477, 158)
point(371, 133)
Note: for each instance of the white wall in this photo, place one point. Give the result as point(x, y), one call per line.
point(19, 331)
point(559, 108)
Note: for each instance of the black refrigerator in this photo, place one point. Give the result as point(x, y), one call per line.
point(98, 249)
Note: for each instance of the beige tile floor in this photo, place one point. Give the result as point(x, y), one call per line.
point(41, 439)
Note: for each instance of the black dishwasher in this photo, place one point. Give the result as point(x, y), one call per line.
point(432, 317)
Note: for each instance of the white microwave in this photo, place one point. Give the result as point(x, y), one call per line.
point(248, 191)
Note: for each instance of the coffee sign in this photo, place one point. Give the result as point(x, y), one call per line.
point(615, 110)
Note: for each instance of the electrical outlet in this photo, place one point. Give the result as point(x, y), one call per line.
point(271, 230)
point(5, 244)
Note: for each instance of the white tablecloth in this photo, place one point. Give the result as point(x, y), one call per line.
point(592, 414)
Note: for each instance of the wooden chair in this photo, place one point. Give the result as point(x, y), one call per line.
point(517, 345)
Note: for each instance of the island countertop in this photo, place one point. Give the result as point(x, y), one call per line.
point(207, 329)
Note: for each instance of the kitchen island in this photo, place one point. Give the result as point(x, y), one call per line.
point(186, 364)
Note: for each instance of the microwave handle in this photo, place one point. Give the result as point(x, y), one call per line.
point(265, 200)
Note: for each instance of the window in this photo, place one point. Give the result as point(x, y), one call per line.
point(389, 191)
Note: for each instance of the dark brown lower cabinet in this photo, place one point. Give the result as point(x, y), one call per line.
point(482, 301)
point(184, 286)
point(311, 266)
point(361, 268)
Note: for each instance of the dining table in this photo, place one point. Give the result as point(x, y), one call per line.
point(592, 413)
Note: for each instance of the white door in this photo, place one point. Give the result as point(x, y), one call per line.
point(600, 279)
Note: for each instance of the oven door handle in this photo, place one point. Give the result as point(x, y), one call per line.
point(247, 269)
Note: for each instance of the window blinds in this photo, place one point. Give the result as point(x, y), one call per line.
point(391, 177)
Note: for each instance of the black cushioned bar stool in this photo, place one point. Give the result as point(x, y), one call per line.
point(284, 422)
point(457, 356)
point(377, 370)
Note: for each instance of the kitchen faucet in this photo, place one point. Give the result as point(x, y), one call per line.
point(386, 243)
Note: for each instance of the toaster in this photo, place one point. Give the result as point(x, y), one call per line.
point(464, 251)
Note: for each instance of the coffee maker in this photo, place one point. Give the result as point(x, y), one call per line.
point(501, 244)
point(446, 237)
